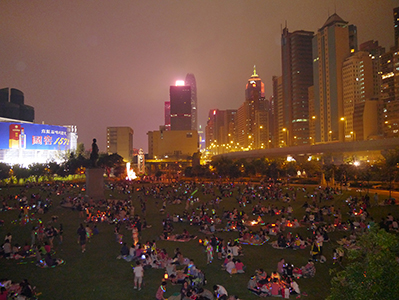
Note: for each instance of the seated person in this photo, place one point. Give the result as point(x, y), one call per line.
point(239, 266)
point(309, 270)
point(205, 294)
point(50, 262)
point(178, 278)
point(253, 286)
point(230, 266)
point(275, 289)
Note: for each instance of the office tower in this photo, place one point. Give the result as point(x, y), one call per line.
point(357, 77)
point(120, 141)
point(246, 121)
point(296, 56)
point(190, 81)
point(396, 25)
point(375, 52)
point(167, 115)
point(331, 46)
point(390, 93)
point(180, 107)
point(279, 137)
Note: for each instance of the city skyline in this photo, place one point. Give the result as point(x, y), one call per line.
point(104, 65)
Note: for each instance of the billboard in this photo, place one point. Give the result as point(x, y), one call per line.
point(14, 135)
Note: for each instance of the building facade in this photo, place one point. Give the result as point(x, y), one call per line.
point(120, 141)
point(191, 82)
point(357, 77)
point(176, 144)
point(297, 76)
point(180, 107)
point(332, 44)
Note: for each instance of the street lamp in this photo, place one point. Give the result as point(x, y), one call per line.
point(287, 136)
point(353, 134)
point(343, 119)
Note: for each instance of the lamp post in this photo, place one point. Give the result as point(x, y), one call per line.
point(353, 134)
point(287, 136)
point(313, 130)
point(343, 119)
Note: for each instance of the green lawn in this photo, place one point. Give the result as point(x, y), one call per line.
point(97, 274)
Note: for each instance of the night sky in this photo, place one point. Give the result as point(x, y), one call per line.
point(110, 63)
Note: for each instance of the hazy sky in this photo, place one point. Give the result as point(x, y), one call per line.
point(100, 63)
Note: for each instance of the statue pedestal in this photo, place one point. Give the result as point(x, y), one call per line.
point(95, 183)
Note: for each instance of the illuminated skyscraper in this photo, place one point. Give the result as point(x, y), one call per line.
point(332, 44)
point(247, 121)
point(180, 107)
point(296, 56)
point(190, 81)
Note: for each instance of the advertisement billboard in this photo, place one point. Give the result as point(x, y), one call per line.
point(14, 135)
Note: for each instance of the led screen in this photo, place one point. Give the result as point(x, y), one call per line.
point(14, 135)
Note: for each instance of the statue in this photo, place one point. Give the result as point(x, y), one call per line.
point(94, 153)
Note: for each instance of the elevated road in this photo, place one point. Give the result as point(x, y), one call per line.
point(317, 149)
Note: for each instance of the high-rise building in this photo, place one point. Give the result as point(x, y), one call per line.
point(357, 77)
point(375, 51)
point(396, 25)
point(220, 131)
point(296, 55)
point(390, 93)
point(190, 81)
point(180, 107)
point(279, 136)
point(167, 115)
point(120, 141)
point(246, 121)
point(332, 44)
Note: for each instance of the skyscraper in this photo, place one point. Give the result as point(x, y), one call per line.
point(296, 55)
point(180, 107)
point(357, 77)
point(190, 81)
point(396, 24)
point(246, 114)
point(332, 44)
point(278, 137)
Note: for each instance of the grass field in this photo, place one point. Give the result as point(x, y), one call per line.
point(97, 274)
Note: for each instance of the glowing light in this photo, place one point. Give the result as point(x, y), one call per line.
point(130, 174)
point(180, 83)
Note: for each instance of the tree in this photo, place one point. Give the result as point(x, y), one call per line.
point(390, 166)
point(373, 271)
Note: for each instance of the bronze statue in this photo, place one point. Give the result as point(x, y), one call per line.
point(94, 153)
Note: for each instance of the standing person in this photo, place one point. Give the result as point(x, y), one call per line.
point(376, 199)
point(82, 237)
point(33, 236)
point(89, 232)
point(61, 232)
point(161, 290)
point(138, 275)
point(209, 253)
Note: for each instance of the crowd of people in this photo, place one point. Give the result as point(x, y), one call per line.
point(254, 204)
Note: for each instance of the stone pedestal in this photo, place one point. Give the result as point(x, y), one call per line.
point(95, 183)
